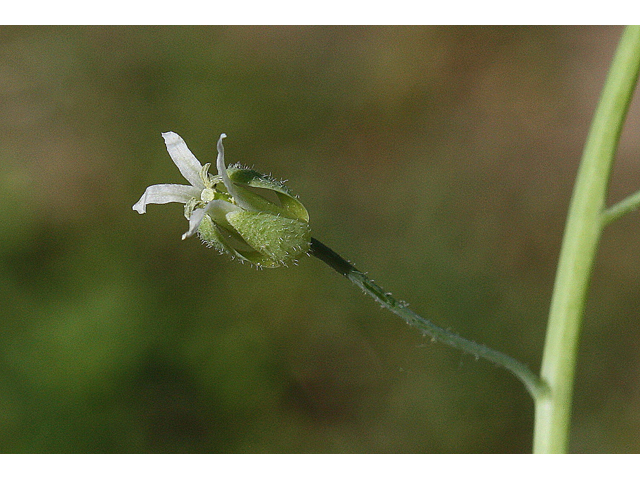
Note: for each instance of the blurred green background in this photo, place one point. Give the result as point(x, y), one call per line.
point(440, 160)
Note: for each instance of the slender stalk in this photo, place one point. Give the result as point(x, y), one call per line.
point(582, 234)
point(629, 204)
point(531, 381)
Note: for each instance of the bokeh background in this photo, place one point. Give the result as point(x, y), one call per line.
point(438, 159)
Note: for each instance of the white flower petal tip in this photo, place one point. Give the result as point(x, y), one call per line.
point(221, 149)
point(194, 223)
point(141, 205)
point(188, 234)
point(182, 157)
point(171, 138)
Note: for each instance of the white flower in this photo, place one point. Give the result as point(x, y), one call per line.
point(228, 215)
point(192, 170)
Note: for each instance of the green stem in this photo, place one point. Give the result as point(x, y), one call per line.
point(579, 246)
point(629, 204)
point(531, 381)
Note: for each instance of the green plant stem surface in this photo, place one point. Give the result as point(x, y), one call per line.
point(520, 370)
point(629, 204)
point(585, 222)
point(552, 391)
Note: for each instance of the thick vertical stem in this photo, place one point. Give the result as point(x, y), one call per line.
point(579, 247)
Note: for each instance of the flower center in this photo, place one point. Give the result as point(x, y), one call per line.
point(207, 195)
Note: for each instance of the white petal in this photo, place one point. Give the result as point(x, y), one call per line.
point(166, 193)
point(215, 209)
point(222, 171)
point(186, 161)
point(194, 222)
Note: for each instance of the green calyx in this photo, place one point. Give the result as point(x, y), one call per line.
point(261, 222)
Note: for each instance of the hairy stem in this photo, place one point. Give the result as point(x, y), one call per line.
point(582, 234)
point(531, 381)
